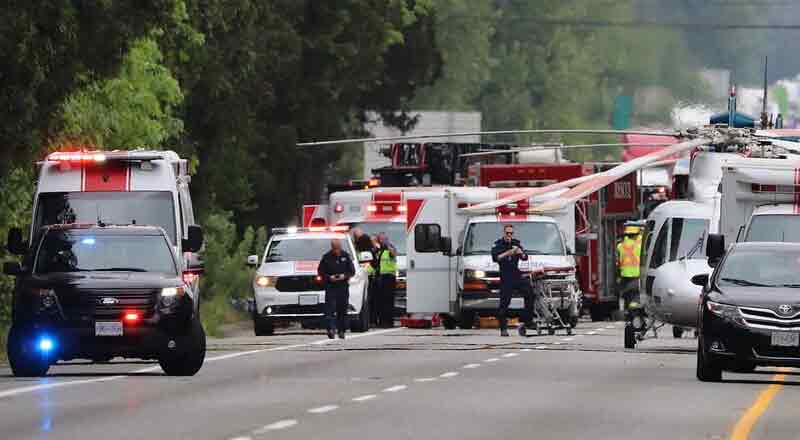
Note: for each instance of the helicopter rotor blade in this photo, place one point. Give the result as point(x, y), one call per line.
point(559, 147)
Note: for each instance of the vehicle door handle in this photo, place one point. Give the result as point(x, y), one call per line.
point(411, 264)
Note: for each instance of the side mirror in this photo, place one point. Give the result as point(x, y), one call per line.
point(252, 260)
point(194, 239)
point(365, 257)
point(446, 245)
point(715, 249)
point(12, 268)
point(700, 279)
point(16, 245)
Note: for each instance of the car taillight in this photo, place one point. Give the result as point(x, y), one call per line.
point(131, 317)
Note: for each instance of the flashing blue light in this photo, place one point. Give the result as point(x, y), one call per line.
point(46, 344)
point(89, 241)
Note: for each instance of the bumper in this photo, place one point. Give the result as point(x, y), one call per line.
point(734, 343)
point(287, 306)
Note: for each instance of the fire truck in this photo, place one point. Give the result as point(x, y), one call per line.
point(599, 221)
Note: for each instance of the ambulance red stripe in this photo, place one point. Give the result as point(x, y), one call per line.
point(111, 176)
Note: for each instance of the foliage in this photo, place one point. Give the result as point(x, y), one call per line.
point(134, 109)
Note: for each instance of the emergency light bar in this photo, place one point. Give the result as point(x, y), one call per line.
point(78, 157)
point(776, 189)
point(295, 230)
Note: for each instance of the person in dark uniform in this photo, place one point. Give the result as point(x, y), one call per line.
point(336, 268)
point(507, 252)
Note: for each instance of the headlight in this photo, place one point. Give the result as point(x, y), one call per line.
point(262, 281)
point(470, 274)
point(725, 311)
point(172, 292)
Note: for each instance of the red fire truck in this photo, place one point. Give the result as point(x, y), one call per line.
point(599, 220)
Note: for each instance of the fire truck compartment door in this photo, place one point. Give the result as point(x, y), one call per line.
point(430, 278)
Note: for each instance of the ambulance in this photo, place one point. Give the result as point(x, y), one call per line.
point(135, 187)
point(450, 268)
point(286, 287)
point(373, 211)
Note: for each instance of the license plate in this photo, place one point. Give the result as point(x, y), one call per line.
point(308, 300)
point(785, 339)
point(108, 328)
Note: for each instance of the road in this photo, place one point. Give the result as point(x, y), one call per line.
point(408, 384)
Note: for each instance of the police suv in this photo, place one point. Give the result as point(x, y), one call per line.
point(286, 287)
point(97, 292)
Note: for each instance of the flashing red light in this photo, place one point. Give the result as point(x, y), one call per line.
point(190, 277)
point(317, 229)
point(338, 208)
point(340, 228)
point(318, 279)
point(77, 157)
point(374, 182)
point(661, 189)
point(372, 208)
point(131, 317)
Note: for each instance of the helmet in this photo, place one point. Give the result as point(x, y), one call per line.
point(631, 230)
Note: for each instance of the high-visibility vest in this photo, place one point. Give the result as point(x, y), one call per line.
point(388, 263)
point(628, 254)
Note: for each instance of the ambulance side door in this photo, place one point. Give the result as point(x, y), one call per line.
point(430, 277)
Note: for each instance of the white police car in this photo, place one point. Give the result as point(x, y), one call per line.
point(286, 287)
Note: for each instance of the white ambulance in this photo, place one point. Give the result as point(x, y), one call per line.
point(118, 187)
point(286, 287)
point(460, 279)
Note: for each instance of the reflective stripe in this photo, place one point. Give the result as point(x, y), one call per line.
point(629, 252)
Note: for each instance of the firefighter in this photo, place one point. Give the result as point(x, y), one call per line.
point(507, 252)
point(387, 268)
point(336, 268)
point(629, 252)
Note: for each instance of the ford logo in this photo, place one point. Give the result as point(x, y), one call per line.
point(108, 301)
point(785, 309)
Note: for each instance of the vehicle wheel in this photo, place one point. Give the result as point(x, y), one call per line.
point(551, 330)
point(263, 326)
point(23, 357)
point(467, 320)
point(677, 332)
point(707, 370)
point(449, 322)
point(522, 330)
point(189, 362)
point(573, 321)
point(361, 324)
point(630, 337)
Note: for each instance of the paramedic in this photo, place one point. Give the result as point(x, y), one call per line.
point(507, 252)
point(387, 268)
point(336, 268)
point(629, 252)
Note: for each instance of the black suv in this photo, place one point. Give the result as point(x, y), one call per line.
point(97, 292)
point(749, 313)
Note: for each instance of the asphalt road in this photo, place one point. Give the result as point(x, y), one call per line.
point(408, 384)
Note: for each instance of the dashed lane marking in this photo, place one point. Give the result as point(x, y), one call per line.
point(242, 438)
point(591, 333)
point(364, 398)
point(510, 355)
point(395, 389)
point(47, 386)
point(283, 424)
point(449, 374)
point(323, 409)
point(492, 360)
point(471, 366)
point(568, 339)
point(525, 350)
point(425, 379)
point(540, 347)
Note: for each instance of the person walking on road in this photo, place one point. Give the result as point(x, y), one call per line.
point(387, 268)
point(507, 253)
point(629, 252)
point(336, 268)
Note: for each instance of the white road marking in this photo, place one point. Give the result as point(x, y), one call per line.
point(51, 385)
point(492, 360)
point(591, 333)
point(556, 343)
point(610, 327)
point(323, 409)
point(364, 398)
point(568, 339)
point(526, 350)
point(540, 347)
point(601, 329)
point(283, 424)
point(510, 355)
point(425, 379)
point(395, 389)
point(449, 374)
point(471, 366)
point(242, 438)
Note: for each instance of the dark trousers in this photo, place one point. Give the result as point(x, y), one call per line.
point(336, 301)
point(507, 289)
point(385, 300)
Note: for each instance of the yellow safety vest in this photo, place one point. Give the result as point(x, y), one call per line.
point(628, 254)
point(388, 263)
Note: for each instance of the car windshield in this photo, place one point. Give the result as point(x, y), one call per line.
point(122, 208)
point(294, 249)
point(537, 238)
point(395, 231)
point(782, 228)
point(773, 267)
point(65, 251)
